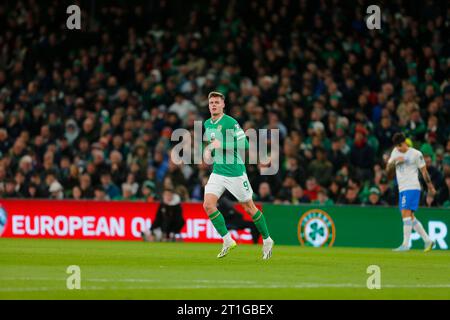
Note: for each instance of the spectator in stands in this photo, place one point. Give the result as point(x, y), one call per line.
point(336, 157)
point(322, 198)
point(3, 177)
point(110, 188)
point(321, 168)
point(443, 197)
point(264, 193)
point(334, 191)
point(384, 132)
point(77, 193)
point(435, 175)
point(131, 184)
point(285, 193)
point(32, 192)
point(387, 194)
point(298, 196)
point(312, 188)
point(148, 191)
point(374, 198)
point(362, 155)
point(168, 221)
point(350, 197)
point(77, 110)
point(20, 186)
point(56, 190)
point(127, 194)
point(100, 194)
point(182, 106)
point(294, 169)
point(10, 189)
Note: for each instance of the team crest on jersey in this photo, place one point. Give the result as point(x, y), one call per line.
point(219, 127)
point(316, 229)
point(3, 219)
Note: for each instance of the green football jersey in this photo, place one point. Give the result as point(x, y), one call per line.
point(227, 159)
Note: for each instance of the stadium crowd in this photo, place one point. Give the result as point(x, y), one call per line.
point(89, 114)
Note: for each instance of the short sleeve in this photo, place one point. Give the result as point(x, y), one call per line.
point(238, 132)
point(419, 160)
point(392, 157)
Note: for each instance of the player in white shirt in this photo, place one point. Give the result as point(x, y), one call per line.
point(407, 162)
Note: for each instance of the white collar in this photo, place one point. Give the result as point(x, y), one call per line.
point(217, 119)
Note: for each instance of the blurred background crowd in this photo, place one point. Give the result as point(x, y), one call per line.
point(89, 114)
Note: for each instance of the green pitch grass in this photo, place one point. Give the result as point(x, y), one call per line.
point(36, 269)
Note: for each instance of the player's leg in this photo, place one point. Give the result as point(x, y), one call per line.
point(242, 190)
point(406, 211)
point(407, 229)
point(218, 221)
point(213, 190)
point(260, 223)
point(417, 226)
point(216, 217)
point(413, 205)
point(257, 216)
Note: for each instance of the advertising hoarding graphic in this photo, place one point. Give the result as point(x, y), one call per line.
point(352, 226)
point(316, 229)
point(103, 220)
point(3, 220)
point(339, 226)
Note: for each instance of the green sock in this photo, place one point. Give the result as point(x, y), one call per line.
point(260, 223)
point(218, 221)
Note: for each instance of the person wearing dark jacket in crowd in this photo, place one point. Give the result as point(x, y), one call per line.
point(336, 156)
point(264, 193)
point(350, 197)
point(10, 190)
point(362, 155)
point(168, 220)
point(443, 197)
point(387, 194)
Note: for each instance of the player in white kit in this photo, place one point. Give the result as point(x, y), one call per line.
point(407, 161)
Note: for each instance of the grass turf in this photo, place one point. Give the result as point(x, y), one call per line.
point(36, 269)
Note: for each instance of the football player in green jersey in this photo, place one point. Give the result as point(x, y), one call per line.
point(226, 139)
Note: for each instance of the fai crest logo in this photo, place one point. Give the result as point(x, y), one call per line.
point(2, 220)
point(316, 229)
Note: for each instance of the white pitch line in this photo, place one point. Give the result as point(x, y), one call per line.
point(27, 289)
point(230, 285)
point(38, 289)
point(126, 280)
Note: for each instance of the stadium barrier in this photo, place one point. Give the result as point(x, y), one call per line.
point(102, 220)
point(352, 226)
point(345, 226)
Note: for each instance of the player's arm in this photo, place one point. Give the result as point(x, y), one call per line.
point(390, 170)
point(207, 150)
point(241, 139)
point(420, 162)
point(427, 179)
point(235, 139)
point(390, 166)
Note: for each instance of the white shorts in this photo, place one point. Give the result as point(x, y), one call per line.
point(239, 187)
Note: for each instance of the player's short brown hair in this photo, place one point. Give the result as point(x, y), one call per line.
point(398, 138)
point(216, 94)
